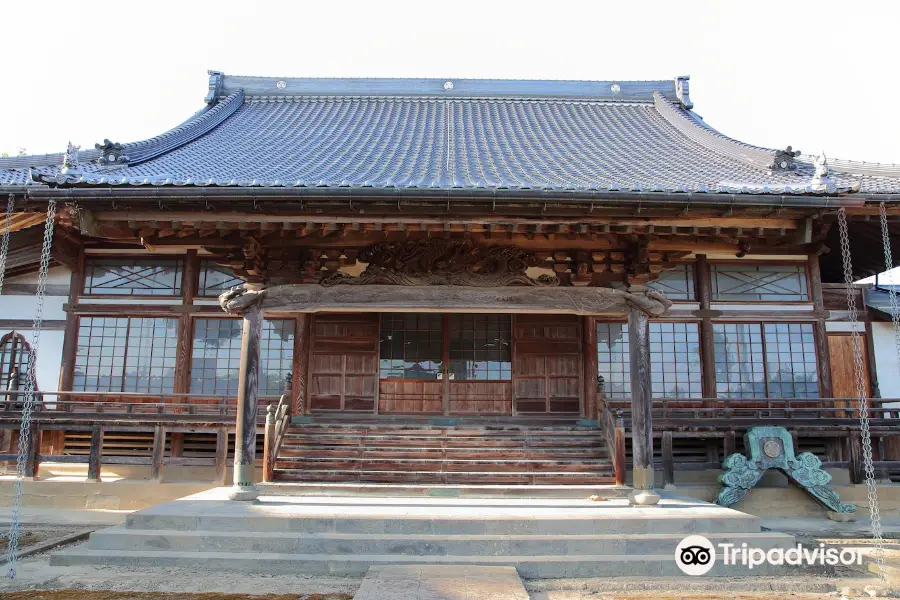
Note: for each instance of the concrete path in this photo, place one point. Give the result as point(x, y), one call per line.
point(66, 516)
point(441, 583)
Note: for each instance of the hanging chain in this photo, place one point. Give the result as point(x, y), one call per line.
point(4, 244)
point(859, 372)
point(28, 402)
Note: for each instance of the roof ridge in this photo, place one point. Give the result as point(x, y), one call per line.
point(254, 86)
point(709, 138)
point(858, 167)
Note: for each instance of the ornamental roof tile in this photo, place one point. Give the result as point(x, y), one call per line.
point(449, 134)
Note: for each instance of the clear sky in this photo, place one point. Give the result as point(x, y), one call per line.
point(816, 75)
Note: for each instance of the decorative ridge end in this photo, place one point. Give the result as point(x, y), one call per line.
point(111, 154)
point(216, 82)
point(683, 91)
point(652, 302)
point(70, 160)
point(784, 159)
point(820, 178)
point(241, 298)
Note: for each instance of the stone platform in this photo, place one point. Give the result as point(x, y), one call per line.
point(540, 537)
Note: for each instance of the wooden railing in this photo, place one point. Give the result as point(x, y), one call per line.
point(278, 419)
point(724, 419)
point(114, 412)
point(613, 427)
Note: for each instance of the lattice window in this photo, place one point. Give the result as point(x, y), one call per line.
point(791, 366)
point(480, 347)
point(15, 354)
point(677, 283)
point(675, 370)
point(216, 356)
point(743, 282)
point(612, 359)
point(132, 278)
point(411, 345)
point(121, 354)
point(740, 367)
point(215, 279)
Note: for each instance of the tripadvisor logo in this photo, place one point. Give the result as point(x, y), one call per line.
point(696, 555)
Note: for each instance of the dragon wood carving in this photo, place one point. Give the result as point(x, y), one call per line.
point(440, 261)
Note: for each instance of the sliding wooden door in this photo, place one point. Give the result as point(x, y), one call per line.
point(547, 364)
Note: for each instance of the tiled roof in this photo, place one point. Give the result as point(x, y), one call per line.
point(459, 134)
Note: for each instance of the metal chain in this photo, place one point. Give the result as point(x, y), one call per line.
point(863, 404)
point(28, 402)
point(4, 244)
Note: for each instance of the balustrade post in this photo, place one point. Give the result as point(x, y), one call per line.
point(619, 449)
point(641, 408)
point(269, 445)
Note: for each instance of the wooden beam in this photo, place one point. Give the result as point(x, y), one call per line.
point(823, 359)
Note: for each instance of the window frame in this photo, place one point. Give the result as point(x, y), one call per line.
point(711, 264)
point(263, 391)
point(180, 261)
point(202, 261)
point(692, 268)
point(765, 354)
point(106, 315)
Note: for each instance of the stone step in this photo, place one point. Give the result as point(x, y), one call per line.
point(426, 490)
point(448, 442)
point(456, 516)
point(121, 538)
point(581, 465)
point(337, 451)
point(445, 477)
point(529, 567)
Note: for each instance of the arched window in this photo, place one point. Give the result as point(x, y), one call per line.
point(15, 354)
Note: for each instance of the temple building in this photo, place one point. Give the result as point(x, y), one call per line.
point(452, 282)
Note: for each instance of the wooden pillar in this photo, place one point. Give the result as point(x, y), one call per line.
point(641, 407)
point(301, 364)
point(668, 459)
point(823, 363)
point(70, 339)
point(247, 407)
point(707, 341)
point(96, 455)
point(590, 367)
point(158, 453)
point(33, 452)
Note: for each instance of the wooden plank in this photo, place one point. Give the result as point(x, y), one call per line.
point(33, 451)
point(96, 454)
point(841, 352)
point(619, 462)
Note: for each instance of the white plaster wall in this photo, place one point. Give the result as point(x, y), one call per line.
point(49, 359)
point(886, 360)
point(21, 306)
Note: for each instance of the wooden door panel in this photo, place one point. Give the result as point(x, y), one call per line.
point(343, 362)
point(480, 397)
point(547, 367)
point(843, 378)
